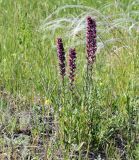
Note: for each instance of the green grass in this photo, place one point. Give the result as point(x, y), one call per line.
point(102, 121)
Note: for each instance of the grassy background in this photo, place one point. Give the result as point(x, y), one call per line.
point(29, 72)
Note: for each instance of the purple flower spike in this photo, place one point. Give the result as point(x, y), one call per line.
point(61, 57)
point(91, 43)
point(72, 66)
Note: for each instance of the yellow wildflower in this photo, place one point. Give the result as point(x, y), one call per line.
point(47, 102)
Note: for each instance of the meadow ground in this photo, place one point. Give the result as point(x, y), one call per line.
point(40, 118)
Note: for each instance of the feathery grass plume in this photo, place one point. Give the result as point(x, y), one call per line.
point(72, 66)
point(91, 43)
point(61, 57)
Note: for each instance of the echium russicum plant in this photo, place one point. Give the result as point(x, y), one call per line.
point(72, 66)
point(61, 57)
point(91, 42)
